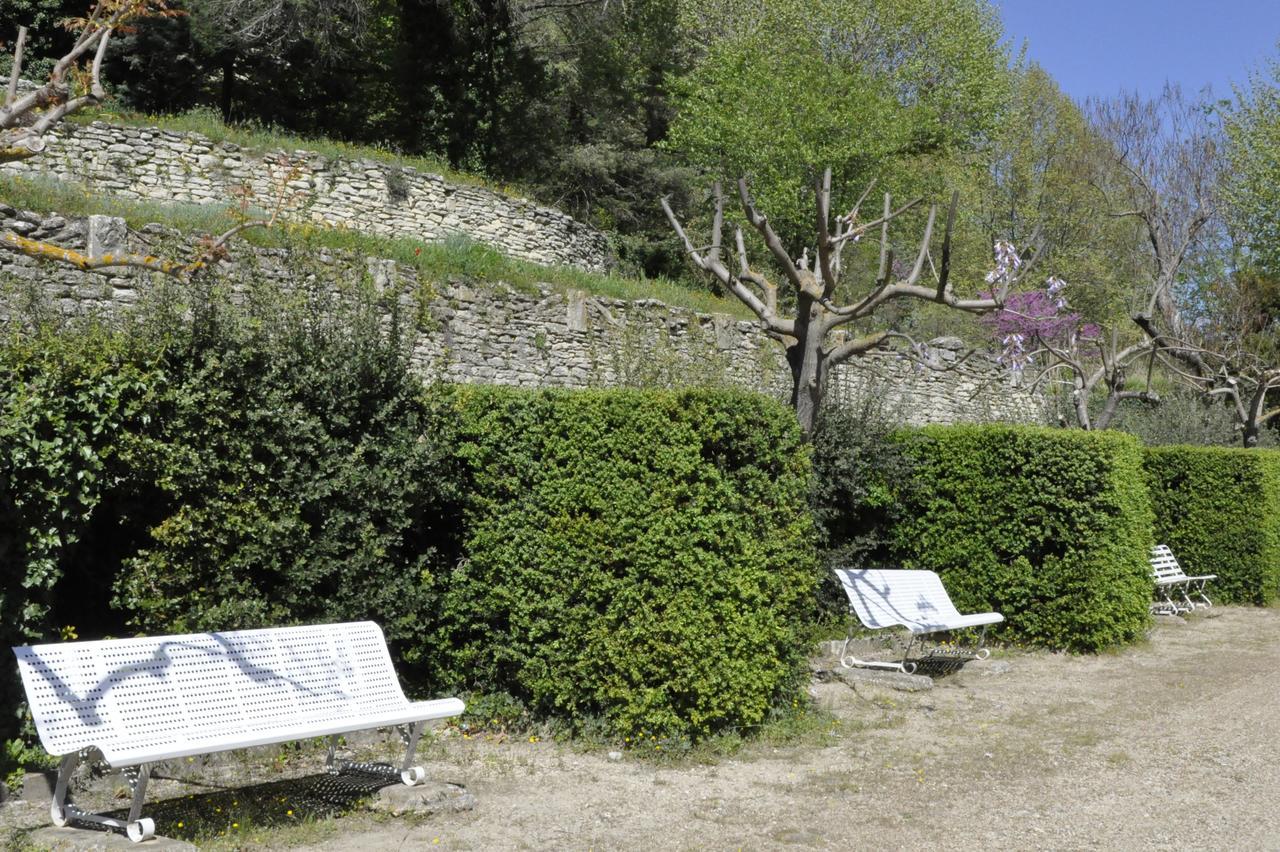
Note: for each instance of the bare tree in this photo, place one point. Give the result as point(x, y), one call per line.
point(1092, 364)
point(809, 332)
point(1167, 153)
point(1161, 168)
point(26, 119)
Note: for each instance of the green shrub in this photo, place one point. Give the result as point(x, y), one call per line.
point(300, 474)
point(636, 560)
point(1219, 510)
point(860, 477)
point(264, 462)
point(70, 408)
point(1049, 527)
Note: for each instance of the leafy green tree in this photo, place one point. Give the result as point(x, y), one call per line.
point(1253, 152)
point(882, 89)
point(1037, 180)
point(48, 38)
point(609, 65)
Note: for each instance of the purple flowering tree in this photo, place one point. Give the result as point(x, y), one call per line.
point(1037, 329)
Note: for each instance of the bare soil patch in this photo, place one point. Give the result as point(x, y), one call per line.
point(1171, 744)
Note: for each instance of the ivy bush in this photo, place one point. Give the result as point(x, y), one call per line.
point(1219, 511)
point(217, 465)
point(1049, 527)
point(636, 560)
point(300, 474)
point(70, 411)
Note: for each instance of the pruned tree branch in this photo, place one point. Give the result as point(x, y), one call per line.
point(810, 354)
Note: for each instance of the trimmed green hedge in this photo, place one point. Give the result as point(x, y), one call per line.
point(1049, 527)
point(636, 560)
point(1219, 510)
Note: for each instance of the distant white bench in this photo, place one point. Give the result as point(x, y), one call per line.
point(135, 702)
point(1172, 582)
point(916, 600)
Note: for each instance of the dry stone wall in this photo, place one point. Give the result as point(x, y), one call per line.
point(541, 338)
point(360, 194)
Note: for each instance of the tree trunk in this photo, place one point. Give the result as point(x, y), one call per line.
point(806, 394)
point(1250, 435)
point(808, 365)
point(228, 86)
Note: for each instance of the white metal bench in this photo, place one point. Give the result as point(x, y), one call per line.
point(1172, 582)
point(916, 600)
point(135, 702)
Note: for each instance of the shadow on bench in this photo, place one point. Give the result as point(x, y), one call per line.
point(917, 601)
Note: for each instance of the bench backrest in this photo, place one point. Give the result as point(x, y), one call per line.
point(1164, 566)
point(891, 597)
point(205, 685)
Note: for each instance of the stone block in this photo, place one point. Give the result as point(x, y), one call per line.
point(427, 799)
point(89, 840)
point(107, 235)
point(37, 787)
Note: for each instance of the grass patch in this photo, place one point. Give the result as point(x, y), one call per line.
point(456, 259)
point(261, 139)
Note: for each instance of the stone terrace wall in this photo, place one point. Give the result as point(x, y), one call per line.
point(496, 335)
point(364, 195)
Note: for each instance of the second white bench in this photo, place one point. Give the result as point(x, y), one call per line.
point(916, 600)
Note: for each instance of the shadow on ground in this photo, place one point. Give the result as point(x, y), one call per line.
point(222, 811)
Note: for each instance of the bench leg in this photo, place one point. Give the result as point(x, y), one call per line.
point(1185, 592)
point(63, 812)
point(60, 810)
point(409, 774)
point(906, 665)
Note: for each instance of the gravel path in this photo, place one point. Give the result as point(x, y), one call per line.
point(1172, 744)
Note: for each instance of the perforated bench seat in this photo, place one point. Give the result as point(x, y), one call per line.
point(141, 701)
point(914, 599)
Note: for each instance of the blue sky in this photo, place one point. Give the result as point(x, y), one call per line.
point(1098, 47)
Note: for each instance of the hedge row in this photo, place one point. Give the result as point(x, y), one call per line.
point(642, 561)
point(1219, 510)
point(634, 556)
point(1049, 527)
point(637, 560)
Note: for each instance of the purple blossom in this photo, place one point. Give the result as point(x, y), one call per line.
point(1007, 263)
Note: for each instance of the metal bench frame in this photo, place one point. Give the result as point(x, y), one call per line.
point(1171, 582)
point(911, 599)
point(131, 703)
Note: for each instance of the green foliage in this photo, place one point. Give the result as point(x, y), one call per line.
point(1049, 527)
point(860, 474)
point(1219, 511)
point(302, 475)
point(18, 757)
point(872, 89)
point(46, 39)
point(641, 558)
point(262, 463)
point(69, 411)
point(1253, 151)
point(1037, 180)
point(1183, 417)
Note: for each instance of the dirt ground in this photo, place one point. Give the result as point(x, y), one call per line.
point(1171, 744)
